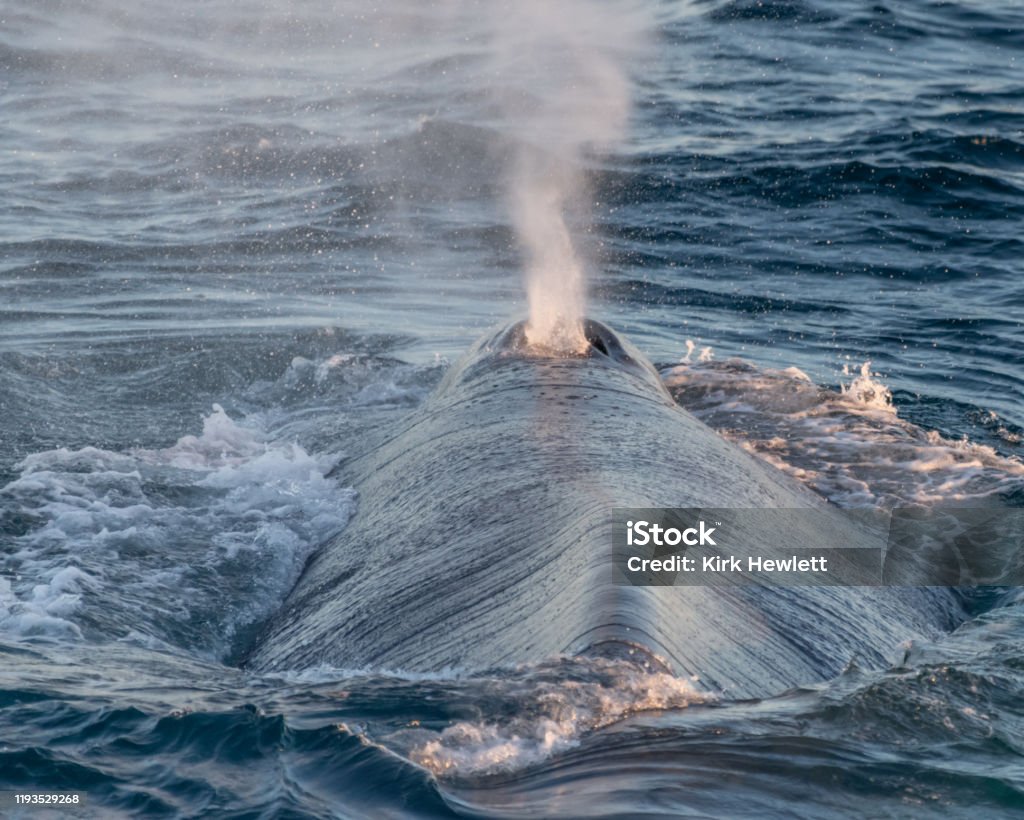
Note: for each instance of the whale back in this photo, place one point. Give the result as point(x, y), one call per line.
point(483, 538)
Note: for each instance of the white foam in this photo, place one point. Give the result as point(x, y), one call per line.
point(554, 712)
point(866, 391)
point(43, 612)
point(525, 714)
point(222, 443)
point(849, 445)
point(186, 544)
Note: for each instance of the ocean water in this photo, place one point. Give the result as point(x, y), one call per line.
point(238, 237)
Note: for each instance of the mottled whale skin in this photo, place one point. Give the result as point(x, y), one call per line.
point(483, 538)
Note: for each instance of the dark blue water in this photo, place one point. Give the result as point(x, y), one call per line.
point(237, 238)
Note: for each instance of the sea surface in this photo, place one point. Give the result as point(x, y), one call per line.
point(237, 237)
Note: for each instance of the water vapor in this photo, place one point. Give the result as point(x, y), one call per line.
point(559, 75)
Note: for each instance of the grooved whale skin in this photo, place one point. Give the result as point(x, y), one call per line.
point(483, 538)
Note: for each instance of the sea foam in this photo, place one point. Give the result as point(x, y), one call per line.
point(187, 545)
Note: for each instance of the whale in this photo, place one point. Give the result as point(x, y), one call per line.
point(483, 533)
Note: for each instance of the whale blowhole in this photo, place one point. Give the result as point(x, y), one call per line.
point(597, 343)
point(595, 339)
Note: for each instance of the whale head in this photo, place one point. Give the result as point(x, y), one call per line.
point(609, 362)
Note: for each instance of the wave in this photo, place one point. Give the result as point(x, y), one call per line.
point(555, 705)
point(849, 445)
point(188, 546)
point(694, 298)
point(776, 11)
point(567, 736)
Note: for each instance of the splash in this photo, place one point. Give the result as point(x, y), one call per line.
point(185, 546)
point(556, 706)
point(849, 445)
point(866, 390)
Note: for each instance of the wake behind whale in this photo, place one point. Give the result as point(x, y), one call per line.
point(483, 538)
